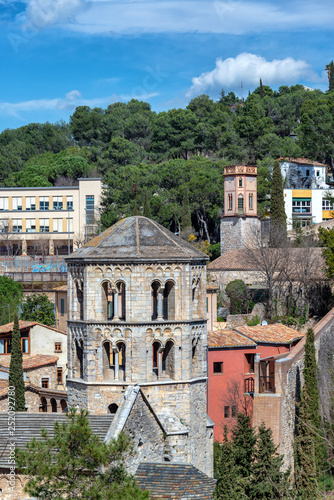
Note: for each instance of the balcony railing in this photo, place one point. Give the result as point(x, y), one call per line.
point(267, 384)
point(249, 385)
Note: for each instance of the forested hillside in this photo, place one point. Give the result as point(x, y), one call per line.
point(155, 155)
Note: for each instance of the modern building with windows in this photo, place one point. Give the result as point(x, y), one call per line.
point(49, 220)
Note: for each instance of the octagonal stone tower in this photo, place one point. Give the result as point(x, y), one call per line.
point(137, 315)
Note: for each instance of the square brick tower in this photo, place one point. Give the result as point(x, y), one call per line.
point(240, 224)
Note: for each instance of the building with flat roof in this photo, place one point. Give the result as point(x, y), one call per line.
point(48, 220)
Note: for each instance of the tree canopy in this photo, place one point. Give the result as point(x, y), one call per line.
point(38, 308)
point(11, 295)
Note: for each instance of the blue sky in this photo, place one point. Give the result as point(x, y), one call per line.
point(59, 54)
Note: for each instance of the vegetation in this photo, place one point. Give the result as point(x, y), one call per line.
point(277, 209)
point(16, 380)
point(238, 295)
point(75, 463)
point(39, 308)
point(11, 296)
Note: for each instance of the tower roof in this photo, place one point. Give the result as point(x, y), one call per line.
point(137, 239)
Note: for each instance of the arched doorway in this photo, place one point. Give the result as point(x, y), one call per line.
point(63, 405)
point(53, 403)
point(44, 406)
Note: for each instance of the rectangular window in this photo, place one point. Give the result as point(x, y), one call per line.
point(57, 225)
point(17, 202)
point(44, 203)
point(307, 173)
point(3, 203)
point(17, 226)
point(249, 358)
point(59, 375)
point(62, 307)
point(69, 223)
point(327, 205)
point(250, 202)
point(44, 225)
point(45, 383)
point(230, 202)
point(301, 206)
point(30, 225)
point(240, 182)
point(218, 367)
point(2, 346)
point(69, 202)
point(25, 346)
point(57, 346)
point(234, 412)
point(30, 203)
point(89, 209)
point(4, 226)
point(226, 412)
point(57, 203)
point(240, 204)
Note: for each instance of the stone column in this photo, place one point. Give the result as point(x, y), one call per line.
point(160, 353)
point(160, 305)
point(116, 318)
point(24, 247)
point(116, 358)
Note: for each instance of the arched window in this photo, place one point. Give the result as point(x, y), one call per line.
point(78, 362)
point(119, 297)
point(107, 301)
point(79, 290)
point(168, 360)
point(112, 408)
point(121, 360)
point(194, 358)
point(53, 405)
point(63, 406)
point(240, 204)
point(108, 361)
point(114, 361)
point(240, 182)
point(44, 406)
point(169, 301)
point(250, 202)
point(156, 358)
point(156, 300)
point(230, 202)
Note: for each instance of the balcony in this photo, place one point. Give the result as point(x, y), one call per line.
point(267, 384)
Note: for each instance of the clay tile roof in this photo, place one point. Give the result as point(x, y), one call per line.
point(137, 239)
point(303, 161)
point(174, 481)
point(228, 338)
point(271, 334)
point(233, 259)
point(31, 362)
point(8, 327)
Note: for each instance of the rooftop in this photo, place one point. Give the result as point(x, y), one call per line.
point(229, 338)
point(271, 334)
point(8, 327)
point(31, 362)
point(303, 161)
point(137, 239)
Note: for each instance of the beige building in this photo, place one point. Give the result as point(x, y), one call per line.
point(48, 220)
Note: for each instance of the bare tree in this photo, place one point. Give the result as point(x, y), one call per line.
point(235, 398)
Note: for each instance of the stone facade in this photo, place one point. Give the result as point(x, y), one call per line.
point(138, 316)
point(238, 232)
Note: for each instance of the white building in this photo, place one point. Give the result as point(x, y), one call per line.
point(301, 173)
point(48, 220)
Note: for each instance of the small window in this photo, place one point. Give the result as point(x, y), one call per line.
point(44, 225)
point(30, 225)
point(240, 182)
point(45, 383)
point(3, 203)
point(226, 412)
point(240, 204)
point(57, 203)
point(218, 367)
point(230, 202)
point(44, 203)
point(57, 346)
point(69, 202)
point(62, 307)
point(59, 375)
point(57, 225)
point(17, 226)
point(318, 173)
point(30, 203)
point(307, 173)
point(25, 346)
point(250, 363)
point(234, 412)
point(250, 202)
point(17, 202)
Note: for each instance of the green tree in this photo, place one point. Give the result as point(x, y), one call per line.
point(277, 210)
point(39, 308)
point(147, 208)
point(185, 210)
point(237, 292)
point(75, 463)
point(326, 237)
point(16, 369)
point(267, 480)
point(330, 71)
point(243, 440)
point(11, 295)
point(228, 482)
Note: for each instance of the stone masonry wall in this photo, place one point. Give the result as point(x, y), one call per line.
point(238, 232)
point(50, 371)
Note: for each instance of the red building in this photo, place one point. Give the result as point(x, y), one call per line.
point(231, 357)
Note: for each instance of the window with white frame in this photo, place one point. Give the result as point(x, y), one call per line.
point(30, 225)
point(69, 202)
point(30, 203)
point(44, 225)
point(57, 225)
point(327, 205)
point(17, 202)
point(57, 203)
point(69, 224)
point(44, 203)
point(4, 226)
point(3, 203)
point(301, 206)
point(17, 225)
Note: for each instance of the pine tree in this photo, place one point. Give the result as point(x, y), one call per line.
point(75, 463)
point(277, 211)
point(147, 208)
point(330, 71)
point(310, 378)
point(185, 213)
point(243, 440)
point(16, 369)
point(267, 481)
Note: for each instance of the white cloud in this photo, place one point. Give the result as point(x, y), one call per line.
point(70, 102)
point(249, 68)
point(42, 13)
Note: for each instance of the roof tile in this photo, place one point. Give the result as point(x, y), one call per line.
point(271, 334)
point(31, 362)
point(229, 338)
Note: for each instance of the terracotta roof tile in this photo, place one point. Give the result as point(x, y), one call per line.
point(271, 334)
point(229, 338)
point(32, 362)
point(8, 327)
point(303, 161)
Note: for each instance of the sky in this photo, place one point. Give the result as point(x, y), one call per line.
point(59, 54)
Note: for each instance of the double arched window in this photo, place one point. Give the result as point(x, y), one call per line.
point(163, 359)
point(163, 301)
point(114, 361)
point(113, 301)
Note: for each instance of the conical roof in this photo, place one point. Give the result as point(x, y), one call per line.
point(137, 239)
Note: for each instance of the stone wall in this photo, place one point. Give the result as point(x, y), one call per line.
point(35, 375)
point(238, 232)
point(33, 402)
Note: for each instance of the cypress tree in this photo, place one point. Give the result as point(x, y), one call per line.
point(277, 211)
point(310, 378)
point(243, 440)
point(16, 368)
point(330, 71)
point(147, 208)
point(185, 213)
point(267, 480)
point(261, 89)
point(229, 484)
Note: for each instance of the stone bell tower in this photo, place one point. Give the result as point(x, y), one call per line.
point(240, 224)
point(137, 315)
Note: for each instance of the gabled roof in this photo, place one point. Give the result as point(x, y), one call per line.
point(31, 362)
point(229, 338)
point(8, 327)
point(174, 481)
point(303, 161)
point(137, 239)
point(271, 334)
